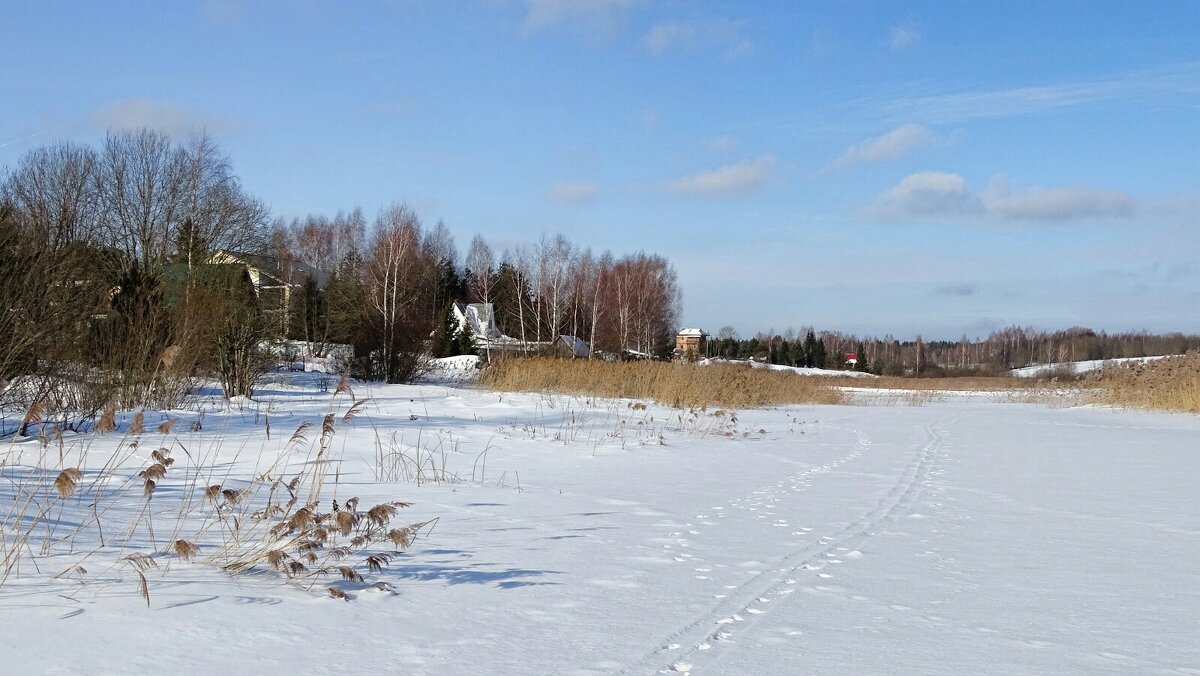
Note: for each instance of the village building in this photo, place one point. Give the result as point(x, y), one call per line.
point(274, 282)
point(571, 347)
point(690, 344)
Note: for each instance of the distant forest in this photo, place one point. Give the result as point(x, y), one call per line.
point(1001, 351)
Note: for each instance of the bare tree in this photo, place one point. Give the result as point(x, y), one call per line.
point(481, 264)
point(140, 184)
point(597, 283)
point(53, 194)
point(519, 260)
point(441, 271)
point(555, 258)
point(392, 262)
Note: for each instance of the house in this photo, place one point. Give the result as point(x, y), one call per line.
point(268, 271)
point(480, 318)
point(852, 358)
point(570, 346)
point(690, 344)
point(274, 282)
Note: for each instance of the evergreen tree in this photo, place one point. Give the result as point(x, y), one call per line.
point(862, 359)
point(344, 300)
point(309, 321)
point(786, 356)
point(465, 340)
point(190, 247)
point(445, 334)
point(751, 348)
point(811, 350)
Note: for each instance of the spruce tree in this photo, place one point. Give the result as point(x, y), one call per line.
point(464, 342)
point(810, 351)
point(445, 334)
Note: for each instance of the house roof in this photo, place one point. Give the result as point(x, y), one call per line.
point(577, 346)
point(269, 266)
point(691, 333)
point(481, 318)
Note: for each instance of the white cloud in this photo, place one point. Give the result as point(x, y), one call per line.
point(720, 33)
point(904, 35)
point(929, 193)
point(738, 178)
point(895, 143)
point(162, 116)
point(598, 16)
point(575, 192)
point(1056, 204)
point(944, 195)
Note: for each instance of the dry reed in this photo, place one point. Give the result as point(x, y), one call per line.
point(678, 385)
point(239, 523)
point(1171, 384)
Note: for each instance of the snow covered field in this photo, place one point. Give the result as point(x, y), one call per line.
point(801, 370)
point(1075, 367)
point(594, 537)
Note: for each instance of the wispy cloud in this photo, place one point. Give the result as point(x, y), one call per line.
point(1055, 204)
point(904, 35)
point(720, 33)
point(947, 196)
point(596, 16)
point(574, 192)
point(163, 116)
point(895, 143)
point(730, 180)
point(961, 106)
point(20, 139)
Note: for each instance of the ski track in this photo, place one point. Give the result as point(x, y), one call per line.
point(702, 642)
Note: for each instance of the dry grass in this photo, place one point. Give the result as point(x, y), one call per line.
point(1170, 384)
point(58, 506)
point(678, 385)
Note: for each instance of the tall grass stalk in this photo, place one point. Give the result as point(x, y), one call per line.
point(677, 385)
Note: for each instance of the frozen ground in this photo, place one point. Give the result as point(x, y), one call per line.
point(963, 536)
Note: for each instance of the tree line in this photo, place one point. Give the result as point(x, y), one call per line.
point(1001, 351)
point(537, 292)
point(111, 292)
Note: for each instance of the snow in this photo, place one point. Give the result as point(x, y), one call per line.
point(461, 369)
point(965, 535)
point(1075, 367)
point(800, 370)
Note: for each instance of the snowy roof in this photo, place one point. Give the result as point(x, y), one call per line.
point(691, 333)
point(481, 318)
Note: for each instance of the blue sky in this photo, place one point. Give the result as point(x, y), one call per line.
point(875, 167)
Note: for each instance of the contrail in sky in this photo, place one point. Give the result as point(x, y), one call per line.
point(22, 138)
